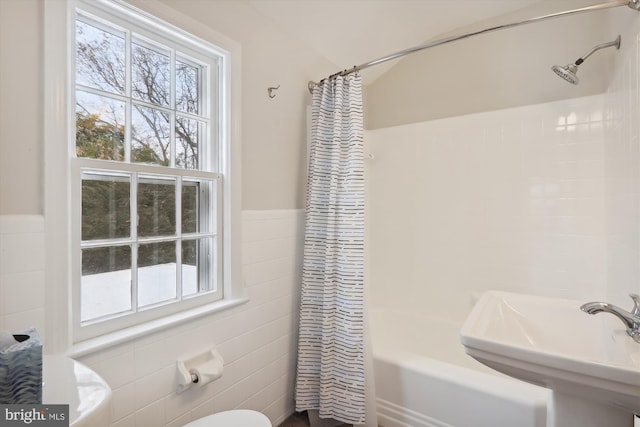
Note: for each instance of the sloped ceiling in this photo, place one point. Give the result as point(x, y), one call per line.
point(353, 32)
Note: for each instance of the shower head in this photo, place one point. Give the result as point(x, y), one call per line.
point(569, 71)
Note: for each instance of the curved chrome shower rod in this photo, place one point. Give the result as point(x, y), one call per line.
point(633, 4)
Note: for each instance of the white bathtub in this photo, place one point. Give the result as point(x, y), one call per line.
point(425, 379)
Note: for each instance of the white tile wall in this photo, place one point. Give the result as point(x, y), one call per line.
point(622, 160)
point(22, 280)
point(258, 340)
point(510, 199)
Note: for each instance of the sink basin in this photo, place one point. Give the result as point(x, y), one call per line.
point(66, 381)
point(590, 363)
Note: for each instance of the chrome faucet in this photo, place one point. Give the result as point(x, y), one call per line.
point(630, 319)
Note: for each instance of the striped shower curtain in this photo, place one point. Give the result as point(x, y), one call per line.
point(331, 346)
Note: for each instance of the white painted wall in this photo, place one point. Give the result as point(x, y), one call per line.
point(21, 138)
point(273, 130)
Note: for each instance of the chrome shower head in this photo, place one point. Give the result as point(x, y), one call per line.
point(569, 71)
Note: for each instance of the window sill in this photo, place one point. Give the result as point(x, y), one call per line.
point(92, 345)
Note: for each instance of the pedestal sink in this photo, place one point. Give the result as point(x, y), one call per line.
point(66, 381)
point(589, 362)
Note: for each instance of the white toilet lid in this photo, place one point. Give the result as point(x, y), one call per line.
point(235, 418)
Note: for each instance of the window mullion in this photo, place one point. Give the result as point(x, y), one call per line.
point(120, 168)
point(134, 244)
point(104, 243)
point(207, 162)
point(173, 143)
point(218, 227)
point(100, 92)
point(134, 175)
point(172, 97)
point(205, 265)
point(129, 107)
point(179, 237)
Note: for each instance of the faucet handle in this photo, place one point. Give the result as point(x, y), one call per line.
point(636, 304)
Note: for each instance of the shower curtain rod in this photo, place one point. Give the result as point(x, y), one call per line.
point(633, 4)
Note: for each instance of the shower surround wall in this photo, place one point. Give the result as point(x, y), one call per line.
point(510, 200)
point(622, 166)
point(542, 199)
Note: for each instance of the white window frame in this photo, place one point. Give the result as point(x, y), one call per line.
point(63, 333)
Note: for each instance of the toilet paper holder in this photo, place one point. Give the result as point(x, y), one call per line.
point(199, 370)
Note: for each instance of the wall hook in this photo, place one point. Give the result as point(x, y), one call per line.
point(271, 91)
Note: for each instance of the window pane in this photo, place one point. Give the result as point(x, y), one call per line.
point(156, 273)
point(189, 267)
point(198, 205)
point(156, 207)
point(99, 127)
point(187, 132)
point(190, 206)
point(212, 208)
point(151, 76)
point(197, 266)
point(106, 282)
point(100, 59)
point(106, 208)
point(187, 87)
point(150, 136)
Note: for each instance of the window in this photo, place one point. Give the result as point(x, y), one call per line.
point(148, 168)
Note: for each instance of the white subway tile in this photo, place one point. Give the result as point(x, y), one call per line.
point(23, 320)
point(21, 224)
point(123, 403)
point(283, 405)
point(151, 357)
point(22, 291)
point(21, 253)
point(219, 403)
point(152, 415)
point(117, 371)
point(269, 290)
point(152, 388)
point(259, 272)
point(180, 421)
point(96, 358)
point(129, 421)
point(186, 344)
point(179, 405)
